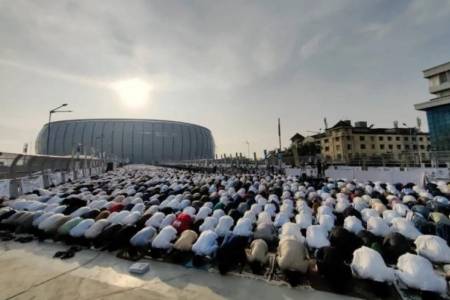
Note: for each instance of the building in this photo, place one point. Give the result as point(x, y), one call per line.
point(297, 139)
point(438, 108)
point(347, 144)
point(132, 140)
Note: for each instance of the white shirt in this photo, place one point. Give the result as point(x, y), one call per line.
point(224, 226)
point(80, 211)
point(208, 224)
point(132, 218)
point(243, 227)
point(96, 229)
point(50, 221)
point(206, 244)
point(281, 218)
point(316, 236)
point(168, 220)
point(143, 237)
point(139, 207)
point(203, 212)
point(164, 238)
point(155, 220)
point(353, 224)
point(80, 229)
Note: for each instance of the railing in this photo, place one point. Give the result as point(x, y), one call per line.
point(20, 173)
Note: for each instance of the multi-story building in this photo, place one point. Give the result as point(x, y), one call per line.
point(344, 143)
point(438, 108)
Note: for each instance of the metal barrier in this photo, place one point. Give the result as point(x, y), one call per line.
point(21, 174)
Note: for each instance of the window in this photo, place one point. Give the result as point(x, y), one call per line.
point(382, 146)
point(406, 147)
point(421, 139)
point(326, 141)
point(327, 148)
point(362, 138)
point(373, 146)
point(362, 146)
point(443, 77)
point(422, 147)
point(372, 138)
point(380, 138)
point(405, 138)
point(391, 147)
point(389, 138)
point(337, 139)
point(338, 147)
point(415, 147)
point(397, 138)
point(413, 138)
point(399, 147)
point(349, 147)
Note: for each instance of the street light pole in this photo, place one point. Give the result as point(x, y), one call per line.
point(411, 145)
point(248, 148)
point(55, 110)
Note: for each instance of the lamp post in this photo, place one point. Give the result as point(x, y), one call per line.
point(248, 149)
point(55, 110)
point(100, 137)
point(411, 144)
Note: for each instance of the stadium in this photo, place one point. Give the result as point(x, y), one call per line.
point(138, 141)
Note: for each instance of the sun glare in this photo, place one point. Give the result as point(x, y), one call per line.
point(134, 93)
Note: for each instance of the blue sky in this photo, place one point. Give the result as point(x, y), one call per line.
point(232, 66)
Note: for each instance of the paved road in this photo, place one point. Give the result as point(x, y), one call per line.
point(28, 271)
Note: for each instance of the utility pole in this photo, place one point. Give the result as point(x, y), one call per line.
point(55, 110)
point(248, 149)
point(279, 144)
point(279, 134)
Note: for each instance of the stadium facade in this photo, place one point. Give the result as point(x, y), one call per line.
point(134, 140)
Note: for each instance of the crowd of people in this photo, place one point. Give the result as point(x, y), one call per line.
point(339, 229)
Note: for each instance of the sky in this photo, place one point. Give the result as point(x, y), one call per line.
point(234, 67)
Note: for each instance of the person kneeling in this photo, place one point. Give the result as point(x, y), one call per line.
point(204, 248)
point(257, 255)
point(292, 260)
point(182, 252)
point(162, 243)
point(232, 253)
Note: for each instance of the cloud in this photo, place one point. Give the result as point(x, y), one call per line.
point(233, 66)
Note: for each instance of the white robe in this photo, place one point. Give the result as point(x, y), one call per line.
point(155, 220)
point(206, 244)
point(80, 229)
point(208, 224)
point(224, 226)
point(168, 220)
point(164, 238)
point(243, 227)
point(143, 237)
point(96, 229)
point(203, 212)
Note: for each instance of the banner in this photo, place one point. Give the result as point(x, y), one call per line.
point(30, 184)
point(5, 185)
point(69, 176)
point(56, 178)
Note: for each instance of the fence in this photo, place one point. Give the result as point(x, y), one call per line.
point(20, 174)
point(385, 174)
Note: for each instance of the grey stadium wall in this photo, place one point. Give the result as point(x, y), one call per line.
point(135, 140)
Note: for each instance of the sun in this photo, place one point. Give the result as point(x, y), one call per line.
point(134, 93)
